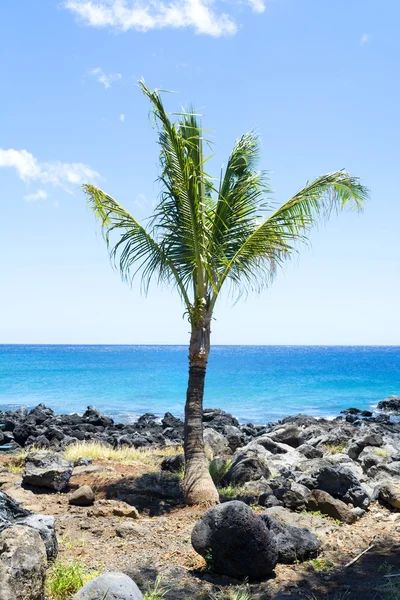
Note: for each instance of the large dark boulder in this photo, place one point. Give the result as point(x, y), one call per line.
point(233, 435)
point(23, 431)
point(289, 434)
point(146, 421)
point(341, 483)
point(351, 411)
point(47, 470)
point(292, 495)
point(293, 543)
point(93, 416)
point(218, 419)
point(170, 421)
point(390, 404)
point(41, 413)
point(235, 541)
point(69, 420)
point(332, 507)
point(253, 490)
point(249, 465)
point(372, 439)
point(356, 412)
point(310, 451)
point(54, 433)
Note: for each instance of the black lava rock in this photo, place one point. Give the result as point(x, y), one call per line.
point(235, 541)
point(293, 543)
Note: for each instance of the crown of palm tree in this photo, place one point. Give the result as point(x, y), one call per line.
point(204, 233)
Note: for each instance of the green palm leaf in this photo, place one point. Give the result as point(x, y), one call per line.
point(180, 216)
point(135, 249)
point(276, 238)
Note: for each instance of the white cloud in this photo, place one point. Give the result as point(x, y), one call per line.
point(56, 173)
point(122, 117)
point(364, 39)
point(39, 195)
point(258, 6)
point(105, 79)
point(144, 15)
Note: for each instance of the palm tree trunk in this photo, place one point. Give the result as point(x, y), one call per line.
point(198, 486)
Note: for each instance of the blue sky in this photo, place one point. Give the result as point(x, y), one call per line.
point(319, 81)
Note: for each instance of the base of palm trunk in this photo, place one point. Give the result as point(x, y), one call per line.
point(199, 488)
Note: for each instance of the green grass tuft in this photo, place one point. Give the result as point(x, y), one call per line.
point(320, 564)
point(345, 595)
point(65, 579)
point(391, 590)
point(229, 492)
point(157, 592)
point(218, 470)
point(391, 586)
point(232, 594)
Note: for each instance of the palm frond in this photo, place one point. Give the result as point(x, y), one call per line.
point(277, 237)
point(242, 199)
point(179, 217)
point(135, 249)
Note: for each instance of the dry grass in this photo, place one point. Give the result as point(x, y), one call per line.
point(18, 460)
point(334, 448)
point(13, 468)
point(384, 452)
point(97, 451)
point(70, 543)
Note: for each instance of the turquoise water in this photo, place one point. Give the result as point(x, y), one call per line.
point(255, 383)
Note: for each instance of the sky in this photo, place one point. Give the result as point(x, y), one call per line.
point(319, 80)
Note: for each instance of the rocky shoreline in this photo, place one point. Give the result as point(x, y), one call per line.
point(296, 451)
point(42, 427)
point(285, 487)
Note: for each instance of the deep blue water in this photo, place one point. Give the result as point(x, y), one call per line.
point(255, 383)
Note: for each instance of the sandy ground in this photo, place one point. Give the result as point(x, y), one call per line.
point(158, 542)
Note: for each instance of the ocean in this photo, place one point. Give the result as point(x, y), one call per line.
point(255, 383)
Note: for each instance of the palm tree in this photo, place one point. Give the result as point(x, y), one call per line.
point(204, 234)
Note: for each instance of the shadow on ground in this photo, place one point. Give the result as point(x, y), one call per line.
point(367, 579)
point(154, 493)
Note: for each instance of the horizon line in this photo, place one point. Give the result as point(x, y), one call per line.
point(212, 345)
